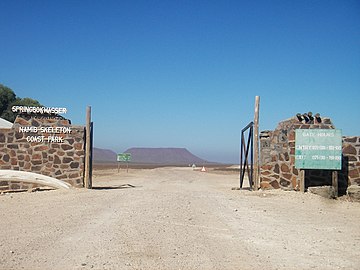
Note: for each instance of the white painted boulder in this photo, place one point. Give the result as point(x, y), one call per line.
point(29, 177)
point(5, 124)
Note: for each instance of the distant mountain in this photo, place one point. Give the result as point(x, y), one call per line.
point(172, 156)
point(103, 155)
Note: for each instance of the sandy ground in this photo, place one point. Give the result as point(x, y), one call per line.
point(176, 218)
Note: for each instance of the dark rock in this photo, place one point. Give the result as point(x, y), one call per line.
point(350, 139)
point(349, 150)
point(36, 162)
point(74, 165)
point(352, 158)
point(66, 147)
point(287, 176)
point(70, 141)
point(35, 122)
point(18, 135)
point(284, 182)
point(354, 173)
point(13, 146)
point(276, 168)
point(67, 160)
point(57, 160)
point(275, 184)
point(6, 158)
point(36, 168)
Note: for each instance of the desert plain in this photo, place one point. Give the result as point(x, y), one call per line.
point(176, 218)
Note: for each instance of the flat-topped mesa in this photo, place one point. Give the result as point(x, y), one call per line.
point(172, 156)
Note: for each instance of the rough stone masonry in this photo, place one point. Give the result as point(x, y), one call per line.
point(277, 152)
point(44, 145)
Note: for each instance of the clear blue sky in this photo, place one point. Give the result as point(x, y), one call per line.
point(184, 73)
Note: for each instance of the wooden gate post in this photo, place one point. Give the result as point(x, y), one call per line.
point(256, 145)
point(87, 176)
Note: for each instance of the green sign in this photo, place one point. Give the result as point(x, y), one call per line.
point(318, 149)
point(124, 157)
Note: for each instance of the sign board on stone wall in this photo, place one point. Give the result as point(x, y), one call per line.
point(43, 142)
point(318, 149)
point(42, 134)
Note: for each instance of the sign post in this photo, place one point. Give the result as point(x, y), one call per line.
point(124, 157)
point(87, 176)
point(318, 149)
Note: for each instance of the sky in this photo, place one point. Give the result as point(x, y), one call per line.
point(184, 73)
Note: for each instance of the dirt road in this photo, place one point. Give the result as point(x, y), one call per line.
point(176, 218)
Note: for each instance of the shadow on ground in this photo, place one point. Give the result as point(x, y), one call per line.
point(124, 186)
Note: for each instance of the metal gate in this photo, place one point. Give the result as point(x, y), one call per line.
point(245, 148)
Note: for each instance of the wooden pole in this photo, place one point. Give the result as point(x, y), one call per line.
point(256, 144)
point(87, 180)
point(302, 180)
point(335, 183)
point(91, 152)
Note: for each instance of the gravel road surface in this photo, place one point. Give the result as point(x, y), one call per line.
point(176, 218)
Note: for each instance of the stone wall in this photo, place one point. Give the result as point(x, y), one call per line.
point(351, 160)
point(277, 158)
point(61, 157)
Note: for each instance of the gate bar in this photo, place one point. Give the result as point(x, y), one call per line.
point(244, 161)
